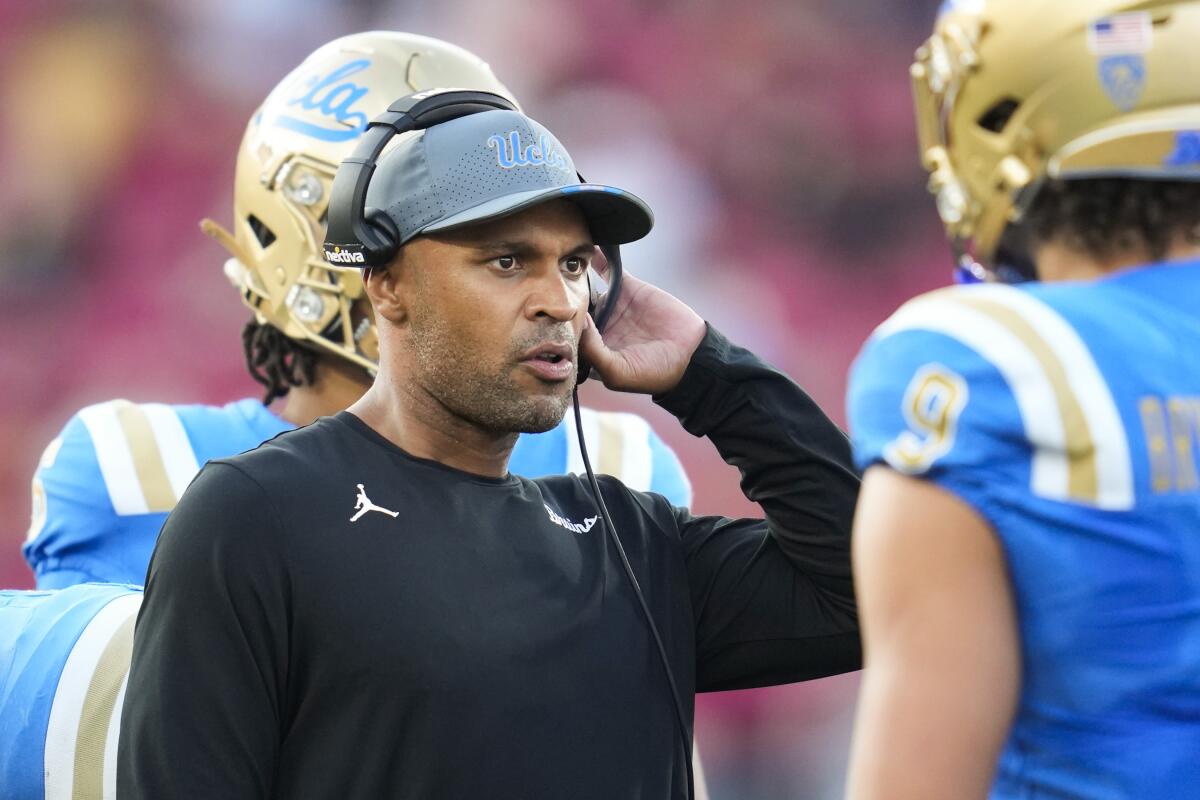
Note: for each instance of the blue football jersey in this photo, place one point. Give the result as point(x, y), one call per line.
point(1067, 415)
point(104, 486)
point(62, 684)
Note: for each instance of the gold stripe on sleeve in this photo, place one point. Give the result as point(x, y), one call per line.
point(1082, 483)
point(147, 460)
point(96, 716)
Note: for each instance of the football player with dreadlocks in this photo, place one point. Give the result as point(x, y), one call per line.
point(105, 485)
point(1026, 547)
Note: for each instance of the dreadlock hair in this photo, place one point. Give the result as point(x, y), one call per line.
point(276, 361)
point(1106, 217)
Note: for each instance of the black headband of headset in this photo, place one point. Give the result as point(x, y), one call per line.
point(356, 235)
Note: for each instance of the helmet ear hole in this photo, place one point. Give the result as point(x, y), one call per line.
point(262, 233)
point(996, 118)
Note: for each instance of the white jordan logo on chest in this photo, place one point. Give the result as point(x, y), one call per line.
point(364, 505)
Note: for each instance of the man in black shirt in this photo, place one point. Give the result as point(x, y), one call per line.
point(373, 606)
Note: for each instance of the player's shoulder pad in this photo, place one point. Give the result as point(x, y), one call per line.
point(142, 450)
point(624, 445)
point(963, 375)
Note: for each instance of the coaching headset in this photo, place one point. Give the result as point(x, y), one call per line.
point(371, 239)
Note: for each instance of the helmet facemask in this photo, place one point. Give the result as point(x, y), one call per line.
point(321, 306)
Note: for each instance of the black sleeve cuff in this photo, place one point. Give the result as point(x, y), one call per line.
point(716, 363)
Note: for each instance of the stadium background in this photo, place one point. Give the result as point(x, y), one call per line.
point(773, 139)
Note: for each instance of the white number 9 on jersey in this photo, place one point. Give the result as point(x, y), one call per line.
point(932, 403)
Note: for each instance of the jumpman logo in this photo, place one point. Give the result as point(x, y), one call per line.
point(364, 505)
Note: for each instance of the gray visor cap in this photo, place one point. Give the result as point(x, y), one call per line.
point(490, 165)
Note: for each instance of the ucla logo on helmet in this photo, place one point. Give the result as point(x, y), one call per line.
point(331, 98)
point(1123, 78)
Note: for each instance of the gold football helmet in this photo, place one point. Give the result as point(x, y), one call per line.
point(285, 169)
point(1011, 92)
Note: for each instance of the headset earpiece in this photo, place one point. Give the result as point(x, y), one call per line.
point(582, 368)
point(381, 238)
point(593, 295)
point(599, 315)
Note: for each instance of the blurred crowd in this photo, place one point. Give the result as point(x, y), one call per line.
point(773, 138)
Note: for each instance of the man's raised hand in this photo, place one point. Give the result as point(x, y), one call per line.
point(650, 338)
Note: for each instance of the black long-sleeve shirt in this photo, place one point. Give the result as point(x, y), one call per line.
point(469, 637)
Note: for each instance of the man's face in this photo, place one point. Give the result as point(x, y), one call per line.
point(496, 313)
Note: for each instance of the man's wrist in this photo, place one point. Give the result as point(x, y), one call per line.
point(698, 377)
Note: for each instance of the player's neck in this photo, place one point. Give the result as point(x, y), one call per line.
point(336, 385)
point(1057, 262)
point(419, 424)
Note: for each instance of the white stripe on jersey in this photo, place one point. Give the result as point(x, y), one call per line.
point(110, 744)
point(1114, 470)
point(636, 459)
point(72, 693)
point(115, 458)
point(173, 445)
point(591, 436)
point(50, 454)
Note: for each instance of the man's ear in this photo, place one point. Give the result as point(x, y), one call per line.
point(388, 291)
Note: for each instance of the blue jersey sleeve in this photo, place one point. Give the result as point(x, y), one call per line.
point(925, 403)
point(73, 517)
point(989, 389)
point(102, 491)
point(61, 687)
point(103, 488)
